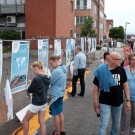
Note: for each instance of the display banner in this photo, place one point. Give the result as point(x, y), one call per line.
point(72, 49)
point(89, 45)
point(68, 52)
point(93, 45)
point(19, 65)
point(57, 47)
point(82, 44)
point(43, 47)
point(1, 59)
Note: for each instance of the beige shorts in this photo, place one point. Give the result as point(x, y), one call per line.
point(36, 109)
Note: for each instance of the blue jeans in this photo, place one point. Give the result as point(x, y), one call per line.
point(105, 112)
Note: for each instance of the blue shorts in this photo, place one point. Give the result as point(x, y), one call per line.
point(56, 107)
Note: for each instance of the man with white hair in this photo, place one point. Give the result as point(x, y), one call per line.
point(109, 82)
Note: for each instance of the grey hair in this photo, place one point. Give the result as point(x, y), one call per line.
point(79, 48)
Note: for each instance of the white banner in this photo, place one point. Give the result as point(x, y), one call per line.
point(57, 47)
point(72, 49)
point(19, 65)
point(68, 52)
point(1, 59)
point(82, 44)
point(89, 45)
point(43, 47)
point(9, 100)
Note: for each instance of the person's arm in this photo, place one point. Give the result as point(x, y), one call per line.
point(127, 95)
point(32, 86)
point(76, 63)
point(96, 98)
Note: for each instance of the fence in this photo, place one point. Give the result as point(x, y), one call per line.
point(21, 99)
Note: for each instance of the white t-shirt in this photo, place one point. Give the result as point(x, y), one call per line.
point(103, 50)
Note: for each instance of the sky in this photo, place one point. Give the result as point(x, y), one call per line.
point(121, 11)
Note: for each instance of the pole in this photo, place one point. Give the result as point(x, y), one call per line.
point(125, 30)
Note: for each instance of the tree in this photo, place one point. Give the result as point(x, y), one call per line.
point(87, 28)
point(117, 33)
point(9, 34)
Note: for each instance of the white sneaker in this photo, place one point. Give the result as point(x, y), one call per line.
point(133, 130)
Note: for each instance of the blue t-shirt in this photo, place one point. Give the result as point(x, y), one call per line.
point(131, 83)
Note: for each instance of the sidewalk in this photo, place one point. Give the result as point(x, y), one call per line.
point(80, 118)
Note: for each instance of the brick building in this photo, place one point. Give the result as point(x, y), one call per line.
point(94, 8)
point(109, 25)
point(12, 15)
point(53, 18)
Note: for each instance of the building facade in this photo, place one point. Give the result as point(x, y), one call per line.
point(12, 15)
point(109, 25)
point(53, 18)
point(93, 8)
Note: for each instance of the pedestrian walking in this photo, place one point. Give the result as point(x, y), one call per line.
point(103, 50)
point(57, 90)
point(38, 87)
point(105, 58)
point(109, 82)
point(125, 62)
point(127, 48)
point(79, 71)
point(128, 118)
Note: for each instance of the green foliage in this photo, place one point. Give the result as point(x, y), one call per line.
point(117, 33)
point(87, 28)
point(9, 34)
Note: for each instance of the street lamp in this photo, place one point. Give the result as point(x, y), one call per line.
point(126, 30)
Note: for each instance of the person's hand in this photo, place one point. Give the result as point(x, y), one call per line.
point(96, 107)
point(75, 73)
point(128, 106)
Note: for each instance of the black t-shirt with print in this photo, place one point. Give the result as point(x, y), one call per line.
point(115, 96)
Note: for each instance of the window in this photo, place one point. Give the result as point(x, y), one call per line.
point(80, 20)
point(77, 35)
point(81, 4)
point(101, 26)
point(102, 3)
point(71, 4)
point(101, 15)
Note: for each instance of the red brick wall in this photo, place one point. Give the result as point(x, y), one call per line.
point(40, 18)
point(64, 18)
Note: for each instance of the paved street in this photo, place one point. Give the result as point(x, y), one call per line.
point(80, 118)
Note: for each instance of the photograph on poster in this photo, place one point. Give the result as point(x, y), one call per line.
point(1, 60)
point(43, 51)
point(82, 44)
point(19, 65)
point(68, 52)
point(57, 47)
point(72, 49)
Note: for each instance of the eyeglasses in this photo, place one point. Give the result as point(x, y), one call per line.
point(117, 59)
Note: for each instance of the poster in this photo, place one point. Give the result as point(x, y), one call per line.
point(19, 65)
point(68, 52)
point(72, 49)
point(82, 44)
point(57, 47)
point(89, 45)
point(1, 60)
point(43, 47)
point(93, 45)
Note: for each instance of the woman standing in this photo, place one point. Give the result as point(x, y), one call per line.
point(127, 48)
point(125, 62)
point(38, 87)
point(128, 117)
point(57, 89)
